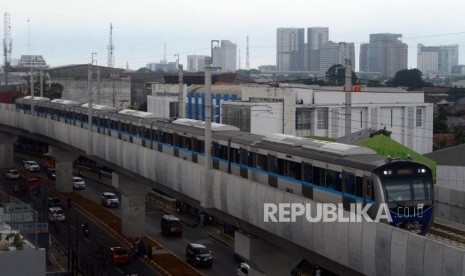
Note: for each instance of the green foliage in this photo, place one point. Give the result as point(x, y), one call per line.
point(408, 77)
point(144, 70)
point(323, 138)
point(336, 75)
point(459, 134)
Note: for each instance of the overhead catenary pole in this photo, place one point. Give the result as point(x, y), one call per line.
point(348, 101)
point(181, 93)
point(41, 74)
point(98, 86)
point(30, 63)
point(208, 137)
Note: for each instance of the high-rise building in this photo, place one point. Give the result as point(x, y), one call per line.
point(437, 59)
point(385, 53)
point(363, 62)
point(290, 49)
point(196, 63)
point(449, 58)
point(317, 37)
point(335, 53)
point(225, 56)
point(34, 61)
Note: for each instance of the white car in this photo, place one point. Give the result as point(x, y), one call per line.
point(109, 199)
point(78, 183)
point(56, 214)
point(12, 174)
point(31, 166)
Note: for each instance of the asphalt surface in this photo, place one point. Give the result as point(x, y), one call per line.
point(91, 248)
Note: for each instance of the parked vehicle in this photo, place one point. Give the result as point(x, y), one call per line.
point(52, 174)
point(109, 199)
point(54, 202)
point(78, 183)
point(56, 214)
point(31, 166)
point(197, 254)
point(12, 174)
point(171, 225)
point(118, 255)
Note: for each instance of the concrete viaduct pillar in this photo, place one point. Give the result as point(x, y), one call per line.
point(64, 168)
point(6, 149)
point(264, 258)
point(132, 204)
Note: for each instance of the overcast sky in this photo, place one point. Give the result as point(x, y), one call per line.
point(67, 32)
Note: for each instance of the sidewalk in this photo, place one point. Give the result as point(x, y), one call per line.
point(212, 231)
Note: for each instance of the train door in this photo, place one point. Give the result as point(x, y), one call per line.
point(244, 162)
point(307, 188)
point(368, 194)
point(272, 177)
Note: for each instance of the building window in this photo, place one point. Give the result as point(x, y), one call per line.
point(323, 118)
point(419, 117)
point(303, 119)
point(237, 116)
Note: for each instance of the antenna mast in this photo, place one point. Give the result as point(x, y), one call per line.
point(7, 43)
point(164, 53)
point(247, 65)
point(111, 48)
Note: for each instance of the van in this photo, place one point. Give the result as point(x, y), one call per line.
point(171, 225)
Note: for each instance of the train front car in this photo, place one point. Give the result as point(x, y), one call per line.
point(408, 192)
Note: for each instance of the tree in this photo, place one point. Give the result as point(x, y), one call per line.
point(408, 77)
point(336, 75)
point(143, 70)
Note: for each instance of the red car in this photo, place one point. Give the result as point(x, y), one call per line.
point(119, 255)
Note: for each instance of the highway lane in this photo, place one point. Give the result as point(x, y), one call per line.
point(224, 262)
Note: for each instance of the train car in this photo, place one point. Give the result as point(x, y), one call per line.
point(322, 171)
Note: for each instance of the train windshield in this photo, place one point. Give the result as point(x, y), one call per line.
point(405, 189)
point(406, 181)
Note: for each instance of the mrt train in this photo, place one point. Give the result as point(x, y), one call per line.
point(318, 170)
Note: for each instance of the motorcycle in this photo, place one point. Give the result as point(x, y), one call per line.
point(139, 247)
point(85, 229)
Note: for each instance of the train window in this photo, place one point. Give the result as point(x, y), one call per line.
point(168, 138)
point(338, 182)
point(223, 152)
point(289, 190)
point(308, 173)
point(200, 146)
point(420, 189)
point(154, 135)
point(369, 192)
point(349, 185)
point(215, 149)
point(272, 163)
point(177, 140)
point(359, 186)
point(161, 136)
point(295, 170)
point(282, 167)
point(188, 144)
point(250, 159)
point(234, 155)
point(318, 178)
point(262, 162)
point(330, 179)
point(243, 156)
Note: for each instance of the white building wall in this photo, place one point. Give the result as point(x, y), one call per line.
point(266, 118)
point(160, 105)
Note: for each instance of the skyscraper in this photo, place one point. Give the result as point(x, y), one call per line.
point(317, 37)
point(363, 62)
point(437, 59)
point(290, 48)
point(195, 63)
point(225, 56)
point(386, 54)
point(335, 53)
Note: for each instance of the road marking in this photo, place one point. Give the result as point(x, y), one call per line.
point(120, 271)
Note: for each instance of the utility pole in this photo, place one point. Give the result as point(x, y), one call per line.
point(181, 93)
point(41, 74)
point(208, 134)
point(348, 101)
point(89, 95)
point(98, 86)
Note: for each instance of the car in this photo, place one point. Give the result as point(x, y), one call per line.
point(243, 269)
point(197, 254)
point(12, 174)
point(171, 225)
point(54, 202)
point(56, 214)
point(52, 174)
point(109, 199)
point(118, 255)
point(31, 166)
point(78, 183)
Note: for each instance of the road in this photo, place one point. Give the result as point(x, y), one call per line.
point(224, 262)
